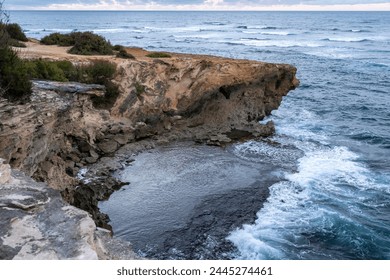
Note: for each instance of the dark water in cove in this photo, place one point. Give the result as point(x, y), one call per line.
point(335, 202)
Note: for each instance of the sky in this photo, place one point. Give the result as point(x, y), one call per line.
point(235, 5)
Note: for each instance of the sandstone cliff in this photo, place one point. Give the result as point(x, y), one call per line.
point(201, 98)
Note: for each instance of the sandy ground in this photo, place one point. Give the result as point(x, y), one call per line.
point(36, 50)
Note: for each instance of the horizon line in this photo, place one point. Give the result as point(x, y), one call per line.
point(373, 7)
point(189, 10)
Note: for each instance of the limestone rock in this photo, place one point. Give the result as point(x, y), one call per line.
point(37, 224)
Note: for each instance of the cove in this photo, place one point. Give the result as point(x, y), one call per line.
point(183, 200)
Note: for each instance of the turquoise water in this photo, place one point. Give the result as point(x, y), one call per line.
point(336, 205)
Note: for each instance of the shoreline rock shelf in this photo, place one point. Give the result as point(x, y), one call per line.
point(205, 99)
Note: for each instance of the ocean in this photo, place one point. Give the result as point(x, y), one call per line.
point(335, 202)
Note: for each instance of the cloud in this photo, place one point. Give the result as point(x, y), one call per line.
point(201, 5)
point(213, 2)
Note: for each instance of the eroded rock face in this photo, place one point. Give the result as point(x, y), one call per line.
point(214, 95)
point(47, 137)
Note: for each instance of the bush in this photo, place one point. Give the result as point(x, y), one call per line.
point(16, 43)
point(101, 72)
point(83, 43)
point(88, 43)
point(158, 55)
point(14, 79)
point(97, 72)
point(109, 99)
point(64, 40)
point(118, 48)
point(15, 32)
point(124, 54)
point(47, 70)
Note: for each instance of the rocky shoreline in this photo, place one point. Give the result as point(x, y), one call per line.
point(54, 137)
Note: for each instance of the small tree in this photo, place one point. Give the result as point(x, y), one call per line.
point(14, 81)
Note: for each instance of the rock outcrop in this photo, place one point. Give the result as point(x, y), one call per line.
point(36, 223)
point(201, 98)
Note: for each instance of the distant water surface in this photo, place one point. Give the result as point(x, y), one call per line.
point(336, 205)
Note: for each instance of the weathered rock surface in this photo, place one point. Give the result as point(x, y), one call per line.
point(201, 98)
point(37, 224)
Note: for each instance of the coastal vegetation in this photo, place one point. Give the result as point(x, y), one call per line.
point(158, 55)
point(14, 80)
point(16, 74)
point(122, 53)
point(82, 43)
point(97, 72)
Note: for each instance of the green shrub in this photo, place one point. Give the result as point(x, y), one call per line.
point(64, 40)
point(14, 81)
point(98, 72)
point(87, 43)
point(16, 43)
point(140, 89)
point(158, 55)
point(46, 70)
point(15, 32)
point(83, 43)
point(118, 48)
point(109, 99)
point(15, 84)
point(124, 54)
point(102, 72)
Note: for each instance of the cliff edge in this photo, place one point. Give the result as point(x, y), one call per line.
point(51, 139)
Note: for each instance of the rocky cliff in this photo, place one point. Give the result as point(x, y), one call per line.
point(185, 97)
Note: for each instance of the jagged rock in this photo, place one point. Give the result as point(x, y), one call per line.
point(74, 88)
point(108, 146)
point(37, 224)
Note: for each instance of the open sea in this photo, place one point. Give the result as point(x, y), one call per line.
point(335, 202)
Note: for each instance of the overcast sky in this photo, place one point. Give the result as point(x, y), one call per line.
point(199, 4)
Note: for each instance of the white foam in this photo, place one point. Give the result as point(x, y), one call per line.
point(276, 43)
point(277, 154)
point(346, 39)
point(326, 163)
point(280, 33)
point(326, 189)
point(110, 30)
point(81, 174)
point(292, 206)
point(250, 32)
